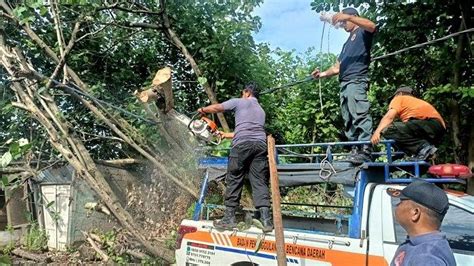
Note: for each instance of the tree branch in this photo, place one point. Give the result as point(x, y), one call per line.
point(62, 62)
point(116, 6)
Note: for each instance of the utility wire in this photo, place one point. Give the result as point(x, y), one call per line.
point(307, 79)
point(294, 83)
point(423, 44)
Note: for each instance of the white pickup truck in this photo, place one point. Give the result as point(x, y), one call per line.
point(369, 235)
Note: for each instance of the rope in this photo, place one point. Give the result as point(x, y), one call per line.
point(321, 67)
point(422, 44)
point(326, 173)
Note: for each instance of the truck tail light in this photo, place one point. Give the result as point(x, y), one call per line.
point(450, 170)
point(182, 230)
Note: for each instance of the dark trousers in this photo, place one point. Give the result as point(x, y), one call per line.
point(250, 158)
point(355, 107)
point(411, 136)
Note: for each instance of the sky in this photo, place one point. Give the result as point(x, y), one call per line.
point(291, 24)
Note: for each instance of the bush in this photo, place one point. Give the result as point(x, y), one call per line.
point(36, 238)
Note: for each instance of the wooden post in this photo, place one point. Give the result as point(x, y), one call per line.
point(277, 221)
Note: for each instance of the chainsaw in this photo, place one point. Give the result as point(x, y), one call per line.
point(205, 129)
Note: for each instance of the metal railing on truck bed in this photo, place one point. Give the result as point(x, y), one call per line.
point(313, 163)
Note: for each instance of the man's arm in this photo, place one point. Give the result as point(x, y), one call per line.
point(361, 22)
point(227, 135)
point(211, 109)
point(333, 70)
point(386, 120)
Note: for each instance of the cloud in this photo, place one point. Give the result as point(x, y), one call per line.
point(293, 25)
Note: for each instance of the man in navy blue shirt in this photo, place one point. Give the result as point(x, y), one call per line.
point(420, 212)
point(352, 67)
point(248, 156)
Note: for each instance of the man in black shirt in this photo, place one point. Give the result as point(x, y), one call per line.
point(352, 67)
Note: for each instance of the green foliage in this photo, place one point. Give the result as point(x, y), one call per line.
point(108, 242)
point(16, 150)
point(170, 241)
point(11, 244)
point(214, 198)
point(152, 261)
point(8, 248)
point(36, 238)
point(317, 195)
point(190, 211)
point(5, 260)
point(299, 117)
point(222, 150)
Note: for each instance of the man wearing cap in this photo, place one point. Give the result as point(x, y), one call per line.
point(248, 155)
point(421, 128)
point(352, 66)
point(420, 212)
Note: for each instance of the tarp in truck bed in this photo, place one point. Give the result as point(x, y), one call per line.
point(295, 174)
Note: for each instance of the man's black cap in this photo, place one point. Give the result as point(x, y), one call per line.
point(425, 194)
point(350, 11)
point(405, 89)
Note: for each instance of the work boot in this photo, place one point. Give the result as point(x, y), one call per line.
point(362, 156)
point(354, 150)
point(266, 219)
point(426, 152)
point(228, 221)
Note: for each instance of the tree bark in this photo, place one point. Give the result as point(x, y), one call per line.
point(453, 104)
point(176, 41)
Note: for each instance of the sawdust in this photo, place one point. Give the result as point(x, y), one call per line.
point(157, 206)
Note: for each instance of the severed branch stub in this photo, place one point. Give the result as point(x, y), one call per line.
point(161, 91)
point(94, 245)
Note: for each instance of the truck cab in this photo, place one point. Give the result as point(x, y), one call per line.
point(363, 233)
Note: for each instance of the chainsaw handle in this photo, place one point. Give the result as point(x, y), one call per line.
point(193, 118)
point(219, 140)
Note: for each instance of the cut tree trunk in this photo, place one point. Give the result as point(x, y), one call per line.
point(177, 41)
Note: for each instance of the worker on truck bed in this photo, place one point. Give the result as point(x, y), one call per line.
point(248, 155)
point(420, 212)
point(421, 128)
point(352, 67)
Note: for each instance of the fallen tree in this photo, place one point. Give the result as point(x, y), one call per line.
point(33, 93)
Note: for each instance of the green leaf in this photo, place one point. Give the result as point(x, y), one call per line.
point(15, 148)
point(6, 159)
point(202, 80)
point(219, 83)
point(5, 181)
point(49, 204)
point(43, 10)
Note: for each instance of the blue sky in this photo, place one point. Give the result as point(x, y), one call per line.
point(291, 24)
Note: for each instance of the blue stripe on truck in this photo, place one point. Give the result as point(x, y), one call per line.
point(251, 253)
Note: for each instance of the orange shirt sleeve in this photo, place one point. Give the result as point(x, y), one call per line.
point(396, 104)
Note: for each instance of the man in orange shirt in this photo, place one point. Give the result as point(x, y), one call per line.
point(421, 128)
